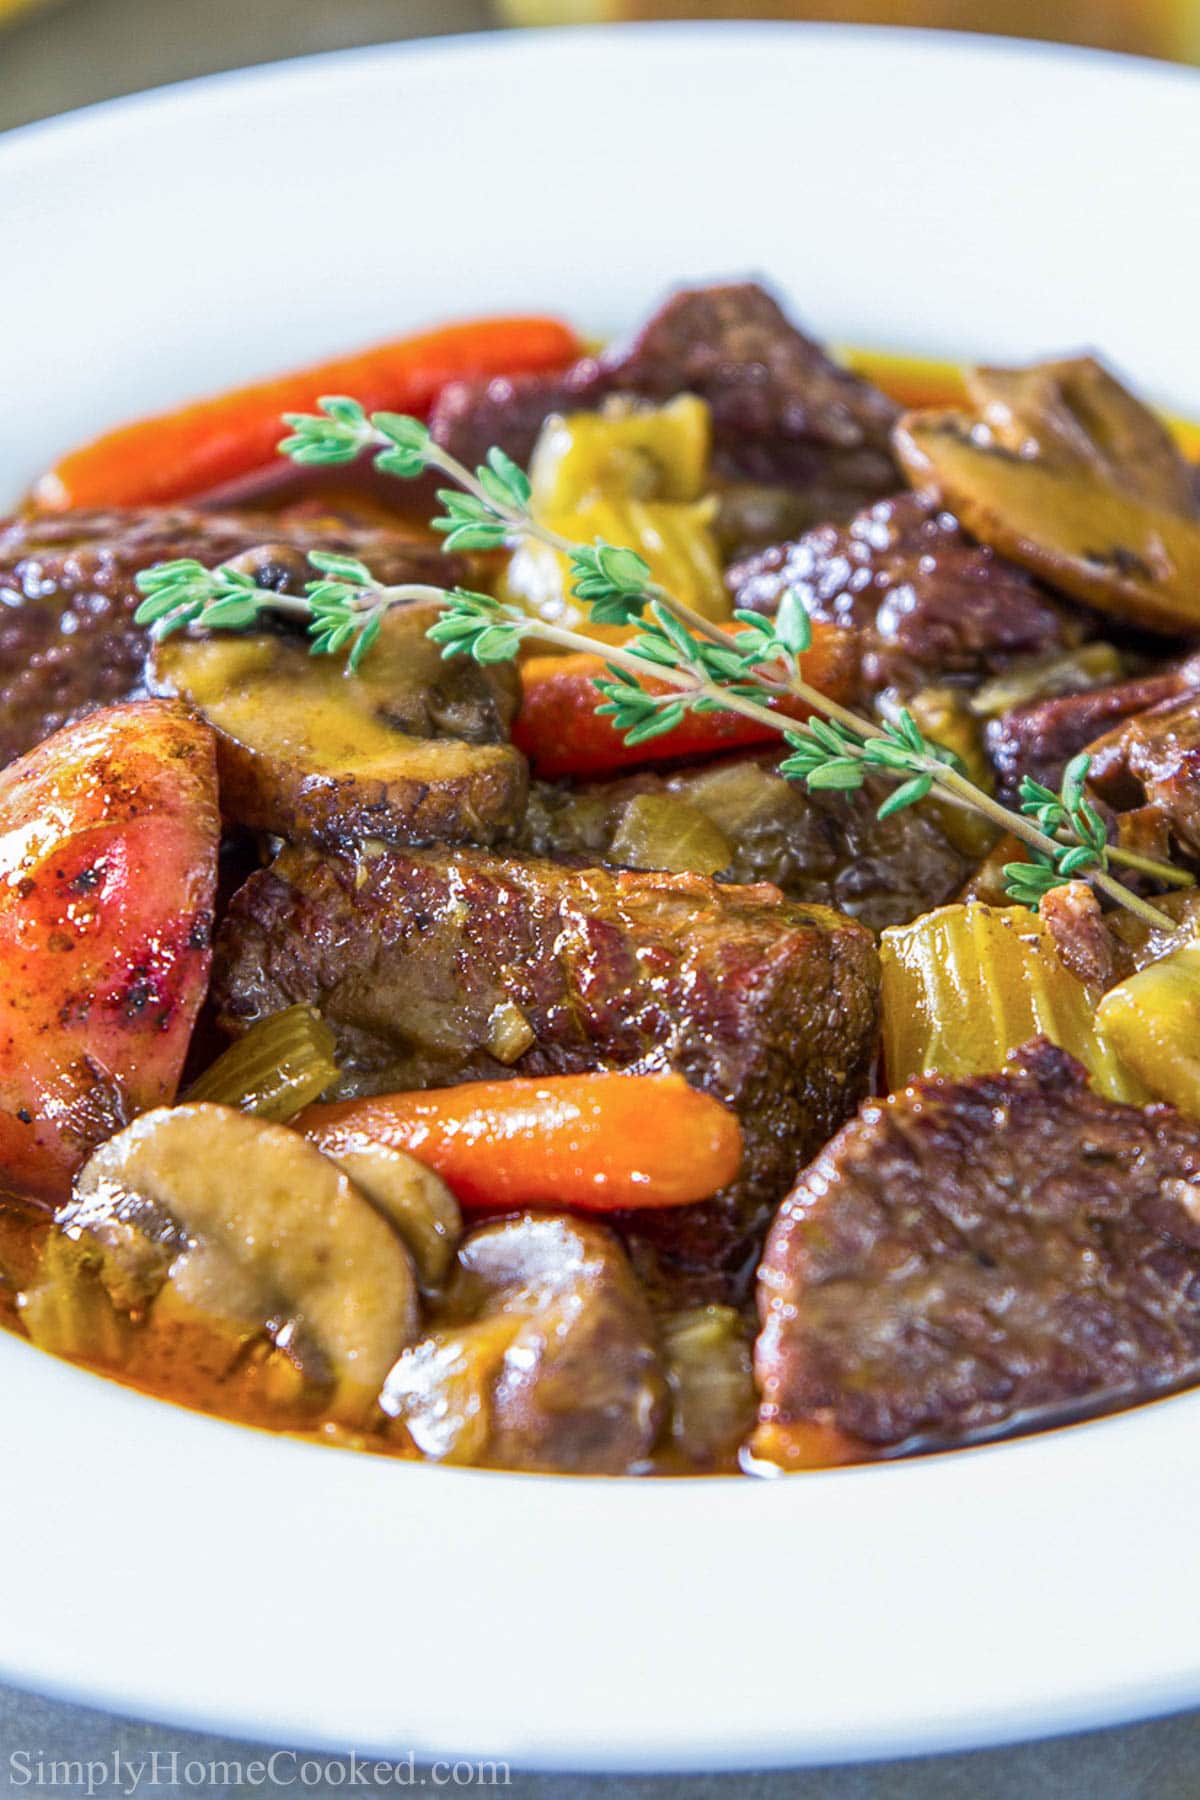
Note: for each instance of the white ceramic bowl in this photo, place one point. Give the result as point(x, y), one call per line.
point(903, 190)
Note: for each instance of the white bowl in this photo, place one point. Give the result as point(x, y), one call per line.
point(903, 190)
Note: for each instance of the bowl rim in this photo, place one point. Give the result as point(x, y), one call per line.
point(522, 40)
point(930, 1531)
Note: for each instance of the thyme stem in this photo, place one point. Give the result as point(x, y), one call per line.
point(944, 774)
point(702, 666)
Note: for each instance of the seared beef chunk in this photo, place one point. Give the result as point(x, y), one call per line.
point(470, 416)
point(1154, 759)
point(820, 848)
point(543, 1356)
point(67, 597)
point(782, 411)
point(931, 604)
point(414, 958)
point(1041, 739)
point(1072, 915)
point(783, 414)
point(966, 1254)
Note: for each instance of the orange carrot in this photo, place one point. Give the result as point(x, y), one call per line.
point(807, 1444)
point(561, 733)
point(219, 440)
point(594, 1142)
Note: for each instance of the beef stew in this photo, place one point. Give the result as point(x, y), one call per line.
point(452, 991)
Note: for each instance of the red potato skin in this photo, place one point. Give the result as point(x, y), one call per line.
point(108, 857)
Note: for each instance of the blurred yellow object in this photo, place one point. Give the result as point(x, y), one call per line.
point(12, 9)
point(964, 985)
point(676, 539)
point(633, 476)
point(643, 452)
point(1153, 1021)
point(1168, 28)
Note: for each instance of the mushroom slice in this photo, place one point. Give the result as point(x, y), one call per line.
point(413, 1199)
point(410, 749)
point(1084, 415)
point(247, 1223)
point(1064, 471)
point(544, 1356)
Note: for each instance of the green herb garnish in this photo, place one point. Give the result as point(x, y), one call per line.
point(702, 667)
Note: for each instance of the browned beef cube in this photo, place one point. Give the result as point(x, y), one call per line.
point(572, 1382)
point(968, 1255)
point(782, 411)
point(1154, 759)
point(67, 596)
point(417, 960)
point(820, 848)
point(931, 605)
point(1040, 739)
point(783, 414)
point(469, 417)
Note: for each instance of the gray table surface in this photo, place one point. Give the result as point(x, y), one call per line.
point(82, 50)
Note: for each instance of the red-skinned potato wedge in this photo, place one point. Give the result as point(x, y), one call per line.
point(108, 856)
point(214, 442)
point(595, 1143)
point(561, 733)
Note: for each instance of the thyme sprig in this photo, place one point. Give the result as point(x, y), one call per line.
point(677, 663)
point(343, 609)
point(489, 509)
point(824, 752)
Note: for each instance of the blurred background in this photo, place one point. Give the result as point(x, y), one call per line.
point(56, 54)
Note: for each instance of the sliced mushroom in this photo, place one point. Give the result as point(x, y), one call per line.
point(249, 1225)
point(1060, 468)
point(544, 1356)
point(413, 1199)
point(410, 749)
point(1079, 411)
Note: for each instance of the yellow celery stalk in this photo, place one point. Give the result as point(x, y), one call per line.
point(966, 984)
point(633, 476)
point(1153, 1022)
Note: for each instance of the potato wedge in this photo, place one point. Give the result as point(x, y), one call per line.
point(1065, 472)
point(411, 749)
point(108, 856)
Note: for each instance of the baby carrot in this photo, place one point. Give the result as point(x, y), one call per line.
point(561, 732)
point(593, 1142)
point(211, 442)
